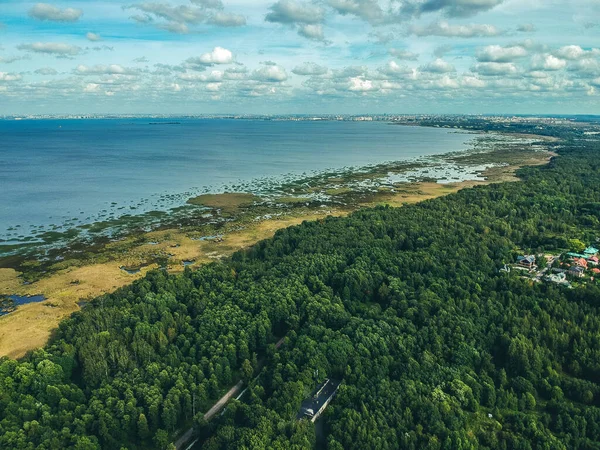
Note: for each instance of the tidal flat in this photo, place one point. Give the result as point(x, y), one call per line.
point(111, 254)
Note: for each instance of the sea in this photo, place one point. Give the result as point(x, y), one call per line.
point(57, 174)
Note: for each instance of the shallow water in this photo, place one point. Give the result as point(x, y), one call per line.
point(58, 174)
point(18, 300)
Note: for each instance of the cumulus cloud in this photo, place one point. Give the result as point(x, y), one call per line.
point(179, 18)
point(309, 69)
point(368, 10)
point(403, 54)
point(219, 55)
point(586, 67)
point(438, 66)
point(312, 31)
point(451, 8)
point(51, 48)
point(8, 77)
point(45, 11)
point(496, 53)
point(360, 84)
point(393, 70)
point(94, 37)
point(224, 19)
point(472, 82)
point(212, 77)
point(465, 31)
point(495, 68)
point(179, 14)
point(306, 17)
point(270, 74)
point(112, 69)
point(46, 71)
point(547, 62)
point(575, 52)
point(292, 12)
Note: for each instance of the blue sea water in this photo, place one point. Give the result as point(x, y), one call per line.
point(55, 174)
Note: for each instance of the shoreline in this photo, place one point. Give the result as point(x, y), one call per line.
point(75, 282)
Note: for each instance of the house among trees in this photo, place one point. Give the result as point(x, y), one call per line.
point(527, 261)
point(580, 262)
point(590, 251)
point(577, 271)
point(557, 277)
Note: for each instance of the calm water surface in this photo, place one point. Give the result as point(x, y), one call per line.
point(54, 172)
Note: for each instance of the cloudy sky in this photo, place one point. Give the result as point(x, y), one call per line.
point(300, 56)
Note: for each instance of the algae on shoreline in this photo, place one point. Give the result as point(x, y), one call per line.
point(229, 201)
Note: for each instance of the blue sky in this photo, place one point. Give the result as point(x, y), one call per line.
point(300, 56)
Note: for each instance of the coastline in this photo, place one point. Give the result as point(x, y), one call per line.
point(243, 225)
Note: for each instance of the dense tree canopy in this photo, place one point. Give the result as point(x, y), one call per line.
point(437, 347)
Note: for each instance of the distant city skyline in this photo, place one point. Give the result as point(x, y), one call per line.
point(300, 57)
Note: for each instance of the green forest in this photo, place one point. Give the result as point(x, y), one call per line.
point(436, 346)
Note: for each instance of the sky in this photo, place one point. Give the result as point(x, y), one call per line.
point(300, 57)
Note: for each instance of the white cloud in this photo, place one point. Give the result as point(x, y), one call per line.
point(91, 87)
point(464, 31)
point(586, 67)
point(178, 18)
point(293, 12)
point(180, 13)
point(12, 59)
point(45, 11)
point(393, 70)
point(472, 82)
point(496, 53)
point(547, 62)
point(213, 87)
point(360, 84)
point(94, 37)
point(112, 69)
point(403, 54)
point(7, 77)
point(367, 10)
point(219, 55)
point(452, 8)
point(270, 74)
point(312, 31)
point(213, 77)
point(174, 27)
point(446, 82)
point(306, 17)
point(495, 68)
point(225, 19)
point(51, 48)
point(575, 52)
point(438, 66)
point(309, 69)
